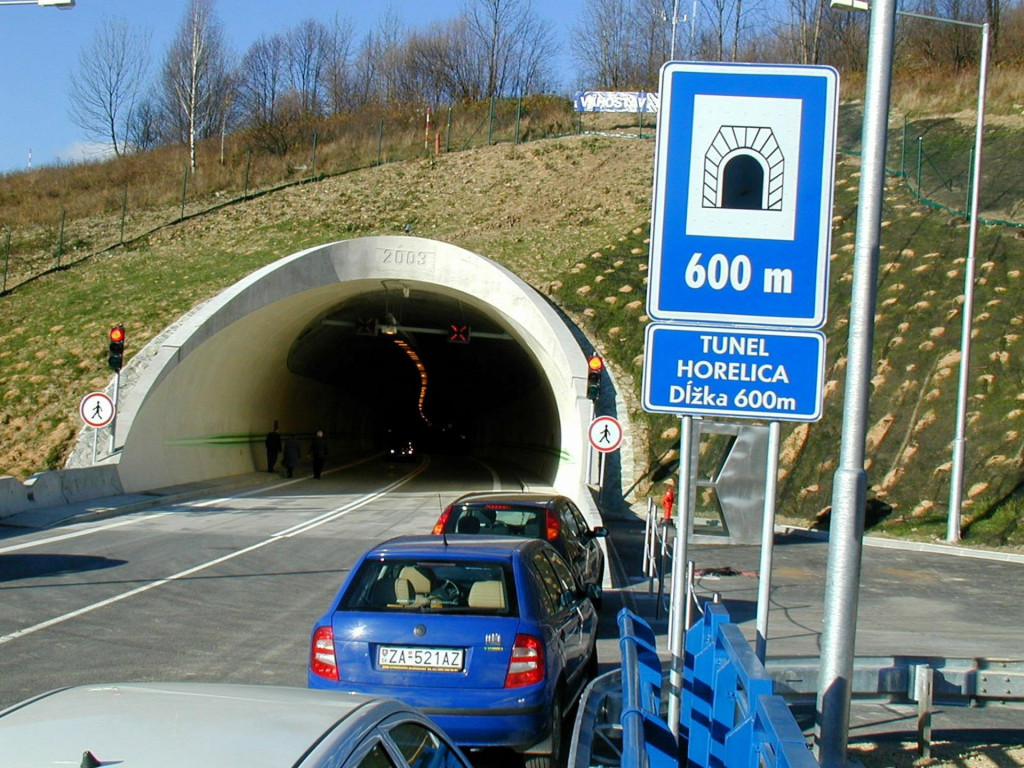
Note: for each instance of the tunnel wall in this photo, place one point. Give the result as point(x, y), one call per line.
point(196, 402)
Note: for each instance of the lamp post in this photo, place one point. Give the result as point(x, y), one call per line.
point(850, 484)
point(956, 475)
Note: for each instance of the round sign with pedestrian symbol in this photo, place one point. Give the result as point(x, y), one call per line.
point(605, 434)
point(96, 409)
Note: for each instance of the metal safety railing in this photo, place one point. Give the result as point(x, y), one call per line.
point(730, 717)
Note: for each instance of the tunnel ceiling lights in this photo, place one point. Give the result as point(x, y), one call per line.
point(371, 327)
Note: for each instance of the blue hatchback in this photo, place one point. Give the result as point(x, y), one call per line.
point(492, 637)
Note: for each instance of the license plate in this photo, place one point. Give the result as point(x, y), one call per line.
point(419, 657)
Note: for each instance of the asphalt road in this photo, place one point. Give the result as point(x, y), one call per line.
point(224, 586)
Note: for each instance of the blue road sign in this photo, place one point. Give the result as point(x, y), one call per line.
point(742, 204)
point(765, 373)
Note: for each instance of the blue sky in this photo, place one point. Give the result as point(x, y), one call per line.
point(41, 46)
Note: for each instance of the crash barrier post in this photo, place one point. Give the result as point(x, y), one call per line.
point(729, 715)
point(647, 741)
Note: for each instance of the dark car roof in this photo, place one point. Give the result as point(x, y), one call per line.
point(461, 546)
point(512, 497)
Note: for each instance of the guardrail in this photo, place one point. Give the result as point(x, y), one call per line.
point(729, 718)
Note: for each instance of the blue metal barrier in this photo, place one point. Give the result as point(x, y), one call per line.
point(729, 717)
point(646, 738)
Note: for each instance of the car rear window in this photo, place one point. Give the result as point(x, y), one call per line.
point(499, 520)
point(463, 587)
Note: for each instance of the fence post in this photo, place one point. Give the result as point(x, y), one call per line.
point(924, 677)
point(920, 156)
point(248, 163)
point(903, 150)
point(490, 121)
point(380, 138)
point(448, 132)
point(7, 257)
point(184, 184)
point(313, 162)
point(124, 211)
point(519, 112)
point(60, 236)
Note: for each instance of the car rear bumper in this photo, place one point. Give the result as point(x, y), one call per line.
point(472, 717)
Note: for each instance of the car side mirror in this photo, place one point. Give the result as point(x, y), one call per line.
point(599, 533)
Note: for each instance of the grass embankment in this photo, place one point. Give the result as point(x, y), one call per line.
point(570, 215)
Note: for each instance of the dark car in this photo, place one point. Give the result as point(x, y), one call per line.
point(492, 637)
point(401, 450)
point(554, 518)
point(160, 725)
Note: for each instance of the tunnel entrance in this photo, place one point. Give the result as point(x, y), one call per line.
point(362, 339)
point(423, 365)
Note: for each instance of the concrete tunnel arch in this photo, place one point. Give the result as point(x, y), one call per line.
point(282, 344)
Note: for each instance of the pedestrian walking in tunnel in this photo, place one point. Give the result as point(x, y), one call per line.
point(273, 444)
point(319, 452)
point(290, 460)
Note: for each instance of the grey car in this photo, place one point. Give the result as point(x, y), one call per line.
point(210, 724)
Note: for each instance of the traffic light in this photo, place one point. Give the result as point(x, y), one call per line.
point(595, 367)
point(366, 326)
point(116, 359)
point(458, 333)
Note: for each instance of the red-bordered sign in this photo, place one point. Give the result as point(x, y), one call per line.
point(96, 409)
point(605, 434)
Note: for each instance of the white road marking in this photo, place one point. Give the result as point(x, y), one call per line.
point(326, 517)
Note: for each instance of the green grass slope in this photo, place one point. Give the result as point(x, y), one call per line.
point(570, 216)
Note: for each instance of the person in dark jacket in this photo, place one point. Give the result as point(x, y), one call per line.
point(273, 444)
point(319, 452)
point(291, 455)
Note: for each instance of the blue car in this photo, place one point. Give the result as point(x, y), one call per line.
point(492, 637)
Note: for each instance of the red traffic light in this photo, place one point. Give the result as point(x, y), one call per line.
point(595, 363)
point(117, 334)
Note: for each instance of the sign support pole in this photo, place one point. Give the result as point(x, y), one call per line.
point(849, 488)
point(679, 586)
point(764, 576)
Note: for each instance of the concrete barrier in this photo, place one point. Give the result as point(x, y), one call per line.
point(58, 488)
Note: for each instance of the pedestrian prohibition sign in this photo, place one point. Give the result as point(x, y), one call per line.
point(96, 409)
point(605, 434)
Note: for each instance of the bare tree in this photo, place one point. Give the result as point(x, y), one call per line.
point(622, 44)
point(338, 75)
point(512, 41)
point(309, 49)
point(105, 87)
point(195, 77)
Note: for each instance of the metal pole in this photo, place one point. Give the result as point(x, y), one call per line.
point(248, 165)
point(60, 237)
point(675, 20)
point(764, 574)
point(184, 186)
point(956, 479)
point(849, 490)
point(113, 421)
point(679, 596)
point(7, 258)
point(124, 212)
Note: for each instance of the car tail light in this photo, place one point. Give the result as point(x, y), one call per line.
point(552, 526)
point(526, 666)
point(321, 655)
point(442, 521)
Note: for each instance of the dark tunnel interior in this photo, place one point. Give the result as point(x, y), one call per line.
point(425, 366)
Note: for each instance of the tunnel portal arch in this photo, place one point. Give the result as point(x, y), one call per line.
point(290, 342)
